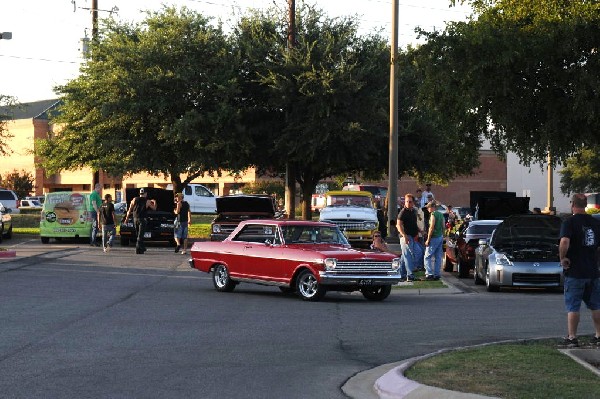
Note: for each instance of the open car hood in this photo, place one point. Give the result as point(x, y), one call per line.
point(165, 199)
point(500, 208)
point(246, 205)
point(527, 229)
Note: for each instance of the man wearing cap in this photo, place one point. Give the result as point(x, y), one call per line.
point(434, 242)
point(139, 208)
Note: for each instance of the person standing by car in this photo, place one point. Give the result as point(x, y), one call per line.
point(578, 252)
point(96, 202)
point(409, 231)
point(426, 195)
point(183, 219)
point(139, 209)
point(106, 219)
point(434, 243)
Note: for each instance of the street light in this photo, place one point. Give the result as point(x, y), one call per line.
point(6, 35)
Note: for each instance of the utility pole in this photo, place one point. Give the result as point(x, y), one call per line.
point(96, 176)
point(392, 205)
point(290, 170)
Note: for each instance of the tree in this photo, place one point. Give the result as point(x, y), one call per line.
point(318, 105)
point(21, 183)
point(7, 106)
point(524, 74)
point(581, 173)
point(154, 97)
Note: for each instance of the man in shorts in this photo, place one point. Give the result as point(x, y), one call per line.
point(578, 251)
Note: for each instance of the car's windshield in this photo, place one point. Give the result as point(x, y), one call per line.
point(313, 235)
point(349, 200)
point(481, 228)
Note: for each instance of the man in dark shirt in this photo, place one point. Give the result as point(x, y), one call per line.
point(409, 232)
point(578, 251)
point(139, 207)
point(107, 221)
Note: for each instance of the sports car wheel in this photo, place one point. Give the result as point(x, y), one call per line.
point(377, 293)
point(490, 287)
point(308, 287)
point(463, 270)
point(221, 279)
point(478, 280)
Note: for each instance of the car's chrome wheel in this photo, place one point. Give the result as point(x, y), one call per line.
point(378, 293)
point(490, 287)
point(221, 279)
point(308, 287)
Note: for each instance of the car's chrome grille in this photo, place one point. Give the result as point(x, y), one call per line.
point(360, 267)
point(349, 224)
point(526, 278)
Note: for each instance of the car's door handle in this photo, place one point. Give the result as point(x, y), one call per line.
point(247, 246)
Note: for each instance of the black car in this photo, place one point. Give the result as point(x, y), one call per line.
point(5, 223)
point(160, 226)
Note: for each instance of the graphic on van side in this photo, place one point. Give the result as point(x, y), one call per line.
point(64, 215)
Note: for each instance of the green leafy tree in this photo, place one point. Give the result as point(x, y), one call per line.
point(523, 73)
point(154, 97)
point(7, 106)
point(19, 182)
point(581, 173)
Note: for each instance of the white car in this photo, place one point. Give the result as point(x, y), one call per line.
point(10, 200)
point(353, 212)
point(31, 204)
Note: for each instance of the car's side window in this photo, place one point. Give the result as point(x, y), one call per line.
point(202, 192)
point(187, 190)
point(257, 233)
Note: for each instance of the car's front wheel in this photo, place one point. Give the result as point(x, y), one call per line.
point(490, 287)
point(45, 240)
point(463, 270)
point(222, 280)
point(377, 293)
point(308, 287)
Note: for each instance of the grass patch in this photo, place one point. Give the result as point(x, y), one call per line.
point(529, 369)
point(422, 284)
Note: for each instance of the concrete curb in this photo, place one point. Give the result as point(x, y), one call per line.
point(8, 254)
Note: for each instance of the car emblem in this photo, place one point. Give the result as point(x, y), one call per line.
point(536, 264)
point(348, 216)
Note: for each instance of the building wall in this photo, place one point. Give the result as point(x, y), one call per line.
point(533, 182)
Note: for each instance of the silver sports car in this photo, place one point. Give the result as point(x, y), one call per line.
point(522, 252)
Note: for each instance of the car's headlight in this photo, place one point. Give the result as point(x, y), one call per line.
point(395, 263)
point(216, 228)
point(330, 263)
point(502, 260)
point(370, 225)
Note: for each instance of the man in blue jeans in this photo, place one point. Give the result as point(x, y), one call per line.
point(578, 251)
point(434, 243)
point(408, 231)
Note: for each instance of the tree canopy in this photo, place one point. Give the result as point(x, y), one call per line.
point(524, 73)
point(581, 173)
point(154, 97)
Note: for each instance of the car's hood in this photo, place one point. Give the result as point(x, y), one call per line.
point(501, 208)
point(527, 230)
point(341, 252)
point(165, 199)
point(347, 212)
point(245, 205)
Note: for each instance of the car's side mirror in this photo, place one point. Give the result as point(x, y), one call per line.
point(268, 242)
point(3, 209)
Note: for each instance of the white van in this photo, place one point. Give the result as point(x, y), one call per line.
point(200, 198)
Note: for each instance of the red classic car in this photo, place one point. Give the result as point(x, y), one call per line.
point(309, 258)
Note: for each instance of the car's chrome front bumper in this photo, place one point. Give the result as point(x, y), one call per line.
point(326, 278)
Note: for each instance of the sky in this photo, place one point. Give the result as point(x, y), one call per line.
point(45, 49)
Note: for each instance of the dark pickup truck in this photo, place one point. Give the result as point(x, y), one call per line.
point(160, 221)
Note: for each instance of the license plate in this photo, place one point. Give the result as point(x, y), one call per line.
point(147, 234)
point(365, 282)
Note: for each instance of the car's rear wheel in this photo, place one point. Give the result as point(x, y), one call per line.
point(222, 280)
point(490, 287)
point(45, 240)
point(308, 287)
point(461, 268)
point(377, 293)
point(448, 266)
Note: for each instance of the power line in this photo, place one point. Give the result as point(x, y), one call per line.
point(38, 59)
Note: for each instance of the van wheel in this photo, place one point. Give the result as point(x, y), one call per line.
point(45, 240)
